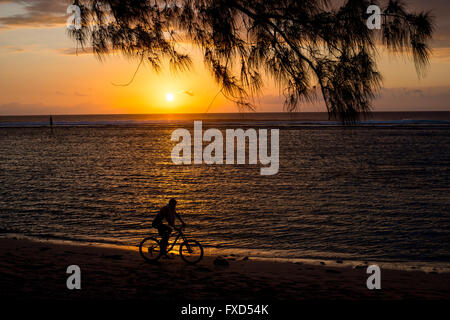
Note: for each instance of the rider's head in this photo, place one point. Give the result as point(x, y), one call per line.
point(172, 203)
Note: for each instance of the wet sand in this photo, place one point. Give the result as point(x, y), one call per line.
point(37, 270)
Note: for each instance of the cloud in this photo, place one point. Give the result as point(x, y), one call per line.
point(13, 49)
point(275, 103)
point(75, 93)
point(37, 14)
point(35, 21)
point(15, 108)
point(80, 51)
point(272, 99)
point(421, 98)
point(75, 51)
point(80, 94)
point(441, 54)
point(389, 99)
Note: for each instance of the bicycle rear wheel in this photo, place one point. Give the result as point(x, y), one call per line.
point(191, 251)
point(149, 249)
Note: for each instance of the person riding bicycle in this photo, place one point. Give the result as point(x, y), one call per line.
point(168, 213)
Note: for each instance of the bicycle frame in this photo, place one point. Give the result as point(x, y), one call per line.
point(179, 235)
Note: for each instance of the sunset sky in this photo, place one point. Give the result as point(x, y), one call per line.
point(41, 74)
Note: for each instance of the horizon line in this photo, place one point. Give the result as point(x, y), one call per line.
point(209, 113)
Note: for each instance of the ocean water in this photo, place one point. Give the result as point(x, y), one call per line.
point(364, 193)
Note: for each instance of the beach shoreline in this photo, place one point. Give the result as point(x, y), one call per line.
point(255, 255)
point(37, 270)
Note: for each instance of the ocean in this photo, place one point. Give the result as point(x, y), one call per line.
point(378, 191)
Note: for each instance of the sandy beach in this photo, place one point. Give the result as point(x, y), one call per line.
point(37, 270)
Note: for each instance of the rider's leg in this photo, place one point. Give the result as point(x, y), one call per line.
point(164, 231)
point(164, 243)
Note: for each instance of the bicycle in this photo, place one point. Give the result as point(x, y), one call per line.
point(191, 251)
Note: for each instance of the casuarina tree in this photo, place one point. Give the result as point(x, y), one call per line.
point(311, 48)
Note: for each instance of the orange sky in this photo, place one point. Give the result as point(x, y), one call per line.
point(41, 75)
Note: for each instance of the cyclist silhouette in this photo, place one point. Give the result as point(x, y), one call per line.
point(168, 213)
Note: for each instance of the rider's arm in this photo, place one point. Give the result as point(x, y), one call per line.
point(178, 216)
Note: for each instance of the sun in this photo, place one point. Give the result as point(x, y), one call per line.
point(170, 97)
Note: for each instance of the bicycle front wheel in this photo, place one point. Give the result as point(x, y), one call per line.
point(149, 249)
point(191, 251)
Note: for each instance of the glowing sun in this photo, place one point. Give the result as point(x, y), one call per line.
point(170, 97)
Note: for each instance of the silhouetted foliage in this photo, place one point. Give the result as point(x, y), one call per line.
point(310, 47)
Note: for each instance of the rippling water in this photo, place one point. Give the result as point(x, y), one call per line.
point(370, 192)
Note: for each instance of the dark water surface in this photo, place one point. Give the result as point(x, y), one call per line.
point(361, 193)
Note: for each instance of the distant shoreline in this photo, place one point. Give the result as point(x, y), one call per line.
point(256, 119)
